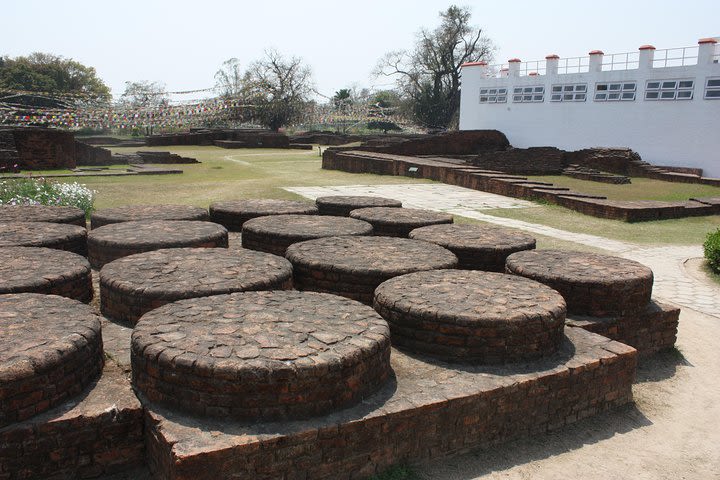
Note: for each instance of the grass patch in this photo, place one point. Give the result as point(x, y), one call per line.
point(681, 231)
point(398, 472)
point(226, 175)
point(639, 189)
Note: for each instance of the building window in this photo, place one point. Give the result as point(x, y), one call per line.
point(615, 92)
point(669, 89)
point(493, 95)
point(534, 94)
point(712, 89)
point(569, 93)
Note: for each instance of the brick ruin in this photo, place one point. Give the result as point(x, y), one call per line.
point(273, 382)
point(496, 167)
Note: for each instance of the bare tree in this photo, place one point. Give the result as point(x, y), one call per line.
point(229, 79)
point(278, 88)
point(429, 76)
point(144, 97)
point(144, 94)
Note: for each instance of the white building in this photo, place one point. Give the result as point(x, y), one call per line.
point(664, 104)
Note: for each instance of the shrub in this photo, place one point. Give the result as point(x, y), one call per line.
point(712, 250)
point(32, 191)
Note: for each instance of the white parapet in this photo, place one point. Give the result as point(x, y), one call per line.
point(664, 104)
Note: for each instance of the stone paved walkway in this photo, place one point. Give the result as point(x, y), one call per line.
point(672, 282)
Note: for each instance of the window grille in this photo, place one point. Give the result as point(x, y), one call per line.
point(493, 95)
point(712, 89)
point(530, 94)
point(615, 91)
point(669, 89)
point(569, 93)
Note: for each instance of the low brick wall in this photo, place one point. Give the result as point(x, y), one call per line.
point(249, 137)
point(406, 421)
point(525, 161)
point(91, 155)
point(450, 171)
point(649, 331)
point(465, 142)
point(99, 433)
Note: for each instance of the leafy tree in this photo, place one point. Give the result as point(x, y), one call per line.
point(429, 75)
point(59, 81)
point(342, 99)
point(278, 88)
point(144, 94)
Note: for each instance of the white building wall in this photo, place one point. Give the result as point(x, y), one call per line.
point(663, 132)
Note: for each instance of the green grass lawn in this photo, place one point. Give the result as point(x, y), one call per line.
point(639, 189)
point(226, 174)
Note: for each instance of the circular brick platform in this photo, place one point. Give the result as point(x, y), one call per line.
point(342, 205)
point(45, 270)
point(233, 214)
point(399, 222)
point(472, 316)
point(60, 236)
point(477, 247)
point(261, 355)
point(42, 213)
point(354, 266)
point(118, 240)
point(132, 286)
point(276, 233)
point(592, 284)
point(134, 213)
point(51, 350)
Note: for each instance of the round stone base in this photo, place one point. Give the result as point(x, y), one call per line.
point(60, 236)
point(592, 284)
point(51, 351)
point(399, 222)
point(118, 240)
point(477, 247)
point(42, 213)
point(132, 286)
point(233, 214)
point(354, 266)
point(342, 205)
point(134, 213)
point(46, 271)
point(260, 355)
point(274, 234)
point(472, 316)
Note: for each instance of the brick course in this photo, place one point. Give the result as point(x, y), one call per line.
point(428, 412)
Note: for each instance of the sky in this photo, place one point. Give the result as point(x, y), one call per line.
point(182, 43)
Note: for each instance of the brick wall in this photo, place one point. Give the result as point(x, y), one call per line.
point(91, 155)
point(44, 148)
point(525, 161)
point(475, 412)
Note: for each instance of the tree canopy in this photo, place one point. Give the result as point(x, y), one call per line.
point(58, 81)
point(429, 75)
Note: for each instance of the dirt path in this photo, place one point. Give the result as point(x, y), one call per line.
point(672, 432)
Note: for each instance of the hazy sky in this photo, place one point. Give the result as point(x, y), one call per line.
point(183, 43)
